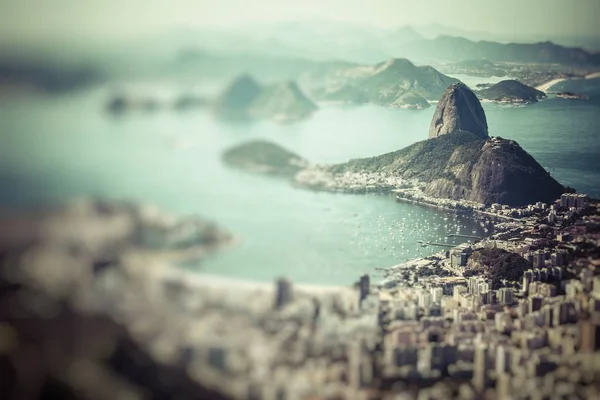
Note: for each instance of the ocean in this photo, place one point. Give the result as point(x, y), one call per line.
point(55, 148)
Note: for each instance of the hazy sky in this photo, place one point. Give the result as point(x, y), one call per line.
point(126, 18)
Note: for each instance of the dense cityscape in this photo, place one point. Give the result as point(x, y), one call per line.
point(428, 332)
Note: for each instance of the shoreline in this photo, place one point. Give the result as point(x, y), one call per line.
point(545, 87)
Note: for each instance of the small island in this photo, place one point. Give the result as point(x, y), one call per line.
point(264, 157)
point(511, 92)
point(121, 103)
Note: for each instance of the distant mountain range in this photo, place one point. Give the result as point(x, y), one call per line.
point(451, 48)
point(326, 40)
point(275, 52)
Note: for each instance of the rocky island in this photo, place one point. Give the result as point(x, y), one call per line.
point(246, 98)
point(264, 157)
point(393, 83)
point(512, 92)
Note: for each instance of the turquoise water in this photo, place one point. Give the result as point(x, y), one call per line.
point(56, 148)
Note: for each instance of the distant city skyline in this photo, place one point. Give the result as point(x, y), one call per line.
point(513, 19)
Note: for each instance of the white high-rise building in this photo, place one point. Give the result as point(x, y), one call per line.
point(424, 299)
point(505, 296)
point(436, 295)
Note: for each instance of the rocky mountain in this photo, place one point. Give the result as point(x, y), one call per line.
point(238, 96)
point(282, 100)
point(512, 91)
point(459, 110)
point(463, 166)
point(265, 157)
point(383, 83)
point(461, 161)
point(246, 98)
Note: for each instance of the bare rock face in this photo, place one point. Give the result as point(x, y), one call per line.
point(494, 171)
point(459, 110)
point(462, 166)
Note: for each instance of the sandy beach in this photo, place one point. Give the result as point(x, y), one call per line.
point(545, 86)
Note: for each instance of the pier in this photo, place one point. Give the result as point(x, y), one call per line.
point(465, 236)
point(435, 244)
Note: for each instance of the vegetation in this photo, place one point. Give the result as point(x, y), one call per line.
point(496, 265)
point(425, 160)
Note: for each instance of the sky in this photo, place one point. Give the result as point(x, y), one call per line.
point(38, 19)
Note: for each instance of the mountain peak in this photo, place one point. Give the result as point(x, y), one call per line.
point(398, 63)
point(459, 110)
point(240, 93)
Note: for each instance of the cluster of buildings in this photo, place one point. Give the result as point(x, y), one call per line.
point(456, 337)
point(428, 331)
point(348, 182)
point(536, 338)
